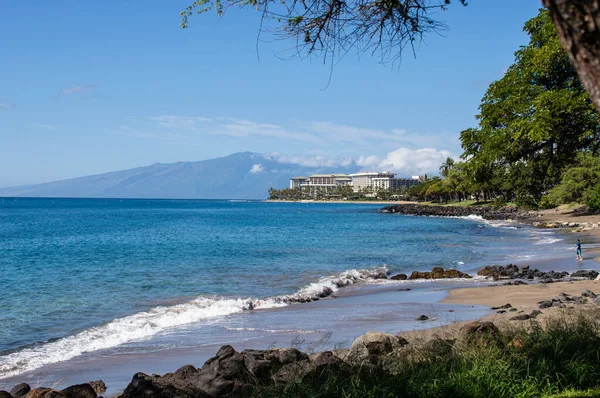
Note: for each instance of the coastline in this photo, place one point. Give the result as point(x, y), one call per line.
point(473, 299)
point(345, 202)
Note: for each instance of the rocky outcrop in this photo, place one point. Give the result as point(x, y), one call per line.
point(438, 273)
point(585, 274)
point(239, 374)
point(228, 374)
point(512, 271)
point(485, 212)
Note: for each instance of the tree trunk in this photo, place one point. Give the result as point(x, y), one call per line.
point(578, 25)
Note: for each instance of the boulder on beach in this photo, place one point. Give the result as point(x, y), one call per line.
point(372, 346)
point(80, 391)
point(479, 329)
point(438, 273)
point(5, 394)
point(20, 390)
point(399, 277)
point(98, 386)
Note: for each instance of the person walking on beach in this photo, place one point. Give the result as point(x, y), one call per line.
point(578, 251)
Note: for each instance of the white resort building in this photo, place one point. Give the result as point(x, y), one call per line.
point(360, 182)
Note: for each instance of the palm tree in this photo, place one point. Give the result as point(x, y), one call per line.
point(446, 166)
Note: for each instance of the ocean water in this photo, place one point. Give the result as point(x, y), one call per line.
point(80, 276)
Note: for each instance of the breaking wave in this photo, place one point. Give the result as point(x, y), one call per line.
point(146, 324)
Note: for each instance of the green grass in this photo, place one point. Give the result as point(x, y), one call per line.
point(592, 393)
point(562, 358)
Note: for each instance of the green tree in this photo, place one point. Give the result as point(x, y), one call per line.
point(534, 120)
point(446, 166)
point(577, 182)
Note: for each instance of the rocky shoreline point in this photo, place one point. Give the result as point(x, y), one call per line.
point(485, 212)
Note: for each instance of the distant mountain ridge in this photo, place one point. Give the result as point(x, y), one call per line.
point(243, 175)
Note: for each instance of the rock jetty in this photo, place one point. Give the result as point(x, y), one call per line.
point(485, 212)
point(512, 271)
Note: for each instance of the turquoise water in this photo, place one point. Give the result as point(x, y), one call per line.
point(80, 275)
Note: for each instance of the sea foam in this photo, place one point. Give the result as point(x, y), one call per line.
point(146, 324)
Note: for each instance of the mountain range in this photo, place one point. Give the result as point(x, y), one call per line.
point(243, 175)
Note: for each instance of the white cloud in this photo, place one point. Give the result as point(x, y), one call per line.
point(7, 105)
point(257, 168)
point(409, 161)
point(302, 160)
point(196, 126)
point(320, 143)
point(403, 161)
point(76, 90)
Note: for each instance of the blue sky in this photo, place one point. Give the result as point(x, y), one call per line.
point(90, 87)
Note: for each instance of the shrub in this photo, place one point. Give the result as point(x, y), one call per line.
point(594, 202)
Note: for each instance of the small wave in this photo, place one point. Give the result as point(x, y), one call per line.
point(146, 324)
point(547, 241)
point(273, 330)
point(490, 223)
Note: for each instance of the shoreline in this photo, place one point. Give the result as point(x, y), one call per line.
point(475, 296)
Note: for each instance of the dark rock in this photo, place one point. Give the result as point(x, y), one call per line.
point(438, 273)
point(512, 309)
point(402, 341)
point(509, 271)
point(547, 281)
point(535, 313)
point(501, 312)
point(588, 293)
point(399, 277)
point(479, 329)
point(98, 386)
point(406, 289)
point(43, 392)
point(228, 374)
point(522, 317)
point(80, 391)
point(326, 292)
point(515, 283)
point(438, 347)
point(325, 364)
point(5, 394)
point(371, 347)
point(143, 385)
point(586, 274)
point(422, 318)
point(545, 304)
point(20, 390)
point(503, 307)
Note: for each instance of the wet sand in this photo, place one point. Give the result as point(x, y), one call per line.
point(316, 326)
